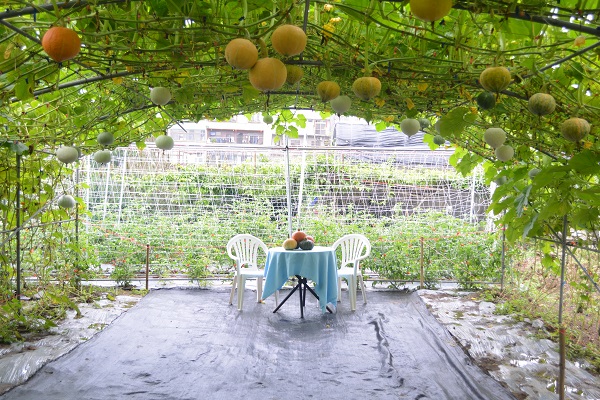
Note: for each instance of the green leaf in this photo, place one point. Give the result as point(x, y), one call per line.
point(64, 300)
point(551, 263)
point(522, 200)
point(380, 126)
point(575, 71)
point(584, 216)
point(249, 93)
point(456, 121)
point(24, 89)
point(468, 163)
point(590, 196)
point(550, 175)
point(530, 224)
point(19, 148)
point(412, 113)
point(301, 120)
point(585, 162)
point(185, 94)
point(292, 132)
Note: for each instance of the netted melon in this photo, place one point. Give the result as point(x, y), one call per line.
point(105, 138)
point(410, 126)
point(495, 137)
point(67, 154)
point(504, 152)
point(66, 201)
point(103, 156)
point(160, 95)
point(341, 104)
point(164, 142)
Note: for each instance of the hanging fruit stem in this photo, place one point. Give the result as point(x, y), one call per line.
point(264, 52)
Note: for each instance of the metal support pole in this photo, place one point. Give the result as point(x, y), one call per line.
point(472, 208)
point(123, 171)
point(288, 188)
point(503, 257)
point(422, 266)
point(561, 327)
point(77, 253)
point(18, 226)
point(106, 191)
point(147, 263)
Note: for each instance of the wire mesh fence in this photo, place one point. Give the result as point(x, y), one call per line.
point(186, 204)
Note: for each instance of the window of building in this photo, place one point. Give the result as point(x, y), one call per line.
point(320, 127)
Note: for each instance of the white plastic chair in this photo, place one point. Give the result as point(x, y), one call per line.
point(244, 249)
point(355, 247)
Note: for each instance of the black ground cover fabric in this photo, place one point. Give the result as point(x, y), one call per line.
point(184, 344)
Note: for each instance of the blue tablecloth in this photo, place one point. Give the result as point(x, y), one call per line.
point(318, 265)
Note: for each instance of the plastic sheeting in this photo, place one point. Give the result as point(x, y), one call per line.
point(19, 361)
point(362, 135)
point(509, 349)
point(190, 344)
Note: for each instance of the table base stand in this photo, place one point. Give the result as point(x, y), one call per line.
point(303, 286)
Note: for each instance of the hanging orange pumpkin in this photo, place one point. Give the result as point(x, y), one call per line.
point(289, 40)
point(267, 74)
point(366, 88)
point(61, 43)
point(241, 53)
point(430, 10)
point(294, 74)
point(328, 90)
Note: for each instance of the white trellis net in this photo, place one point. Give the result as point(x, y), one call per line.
point(187, 203)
